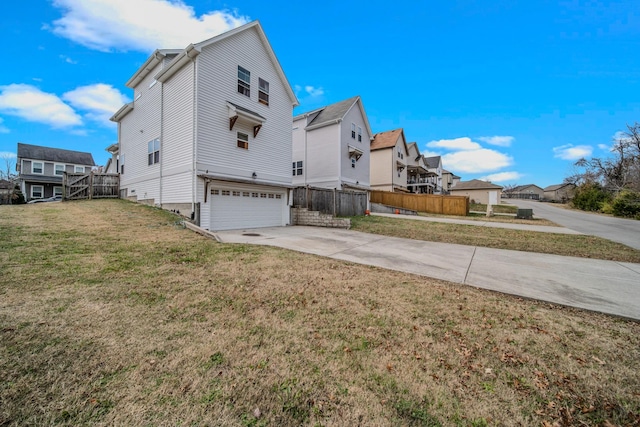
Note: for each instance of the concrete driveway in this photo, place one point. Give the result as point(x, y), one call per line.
point(604, 286)
point(625, 231)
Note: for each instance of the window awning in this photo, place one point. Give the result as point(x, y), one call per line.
point(355, 152)
point(237, 112)
point(400, 166)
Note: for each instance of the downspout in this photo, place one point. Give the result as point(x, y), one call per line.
point(195, 143)
point(161, 136)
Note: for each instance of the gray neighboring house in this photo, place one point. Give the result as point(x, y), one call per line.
point(6, 188)
point(40, 169)
point(559, 193)
point(528, 191)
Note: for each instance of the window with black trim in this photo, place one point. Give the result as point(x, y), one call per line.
point(297, 168)
point(244, 81)
point(243, 140)
point(153, 150)
point(263, 91)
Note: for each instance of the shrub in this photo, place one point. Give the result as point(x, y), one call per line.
point(590, 197)
point(626, 204)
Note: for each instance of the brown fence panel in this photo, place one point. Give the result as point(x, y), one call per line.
point(90, 186)
point(428, 203)
point(338, 203)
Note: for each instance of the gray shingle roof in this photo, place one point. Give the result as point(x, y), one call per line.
point(556, 187)
point(36, 152)
point(334, 111)
point(432, 162)
point(474, 184)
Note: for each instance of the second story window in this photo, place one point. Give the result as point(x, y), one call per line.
point(37, 167)
point(78, 169)
point(359, 134)
point(263, 91)
point(297, 168)
point(153, 150)
point(353, 130)
point(59, 170)
point(244, 81)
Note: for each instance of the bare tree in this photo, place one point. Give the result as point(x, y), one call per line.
point(615, 173)
point(7, 166)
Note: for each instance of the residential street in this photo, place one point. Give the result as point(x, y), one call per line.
point(625, 231)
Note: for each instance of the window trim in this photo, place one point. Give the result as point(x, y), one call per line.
point(244, 86)
point(41, 191)
point(153, 152)
point(263, 91)
point(353, 130)
point(76, 167)
point(55, 169)
point(57, 188)
point(242, 142)
point(359, 134)
point(33, 163)
point(298, 168)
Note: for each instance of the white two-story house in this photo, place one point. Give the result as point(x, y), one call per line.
point(40, 169)
point(331, 147)
point(209, 132)
point(389, 159)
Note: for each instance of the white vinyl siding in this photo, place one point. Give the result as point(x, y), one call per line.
point(269, 153)
point(360, 174)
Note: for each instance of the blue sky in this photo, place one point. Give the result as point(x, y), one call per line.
point(511, 91)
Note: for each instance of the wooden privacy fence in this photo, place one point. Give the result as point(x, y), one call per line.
point(429, 203)
point(78, 186)
point(334, 202)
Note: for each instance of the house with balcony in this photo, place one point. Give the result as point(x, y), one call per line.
point(208, 133)
point(449, 180)
point(419, 178)
point(331, 147)
point(389, 160)
point(40, 169)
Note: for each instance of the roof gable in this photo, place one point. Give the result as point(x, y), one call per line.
point(388, 139)
point(192, 51)
point(334, 113)
point(433, 162)
point(36, 152)
point(557, 186)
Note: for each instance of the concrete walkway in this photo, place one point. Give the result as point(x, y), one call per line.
point(597, 285)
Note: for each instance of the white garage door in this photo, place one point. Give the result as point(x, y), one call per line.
point(246, 207)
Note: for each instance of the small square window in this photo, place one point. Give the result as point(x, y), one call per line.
point(255, 195)
point(57, 191)
point(37, 191)
point(37, 167)
point(246, 194)
point(59, 170)
point(78, 169)
point(215, 191)
point(243, 140)
point(226, 192)
point(297, 168)
point(236, 193)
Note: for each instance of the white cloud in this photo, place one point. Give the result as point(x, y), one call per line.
point(67, 59)
point(604, 147)
point(464, 143)
point(501, 141)
point(3, 128)
point(30, 103)
point(502, 177)
point(99, 101)
point(140, 25)
point(476, 161)
point(7, 155)
point(571, 152)
point(308, 91)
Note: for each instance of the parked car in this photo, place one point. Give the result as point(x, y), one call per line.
point(48, 199)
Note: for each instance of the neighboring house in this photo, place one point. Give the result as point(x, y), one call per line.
point(6, 188)
point(208, 134)
point(449, 180)
point(331, 147)
point(417, 171)
point(434, 166)
point(529, 191)
point(559, 193)
point(113, 164)
point(389, 159)
point(41, 169)
point(478, 191)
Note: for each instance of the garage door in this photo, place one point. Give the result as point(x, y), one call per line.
point(237, 207)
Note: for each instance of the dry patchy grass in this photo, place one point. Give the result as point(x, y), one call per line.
point(550, 243)
point(113, 314)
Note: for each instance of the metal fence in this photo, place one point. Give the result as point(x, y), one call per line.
point(90, 186)
point(428, 203)
point(334, 202)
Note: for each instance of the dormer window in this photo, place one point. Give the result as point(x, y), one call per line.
point(263, 91)
point(244, 81)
